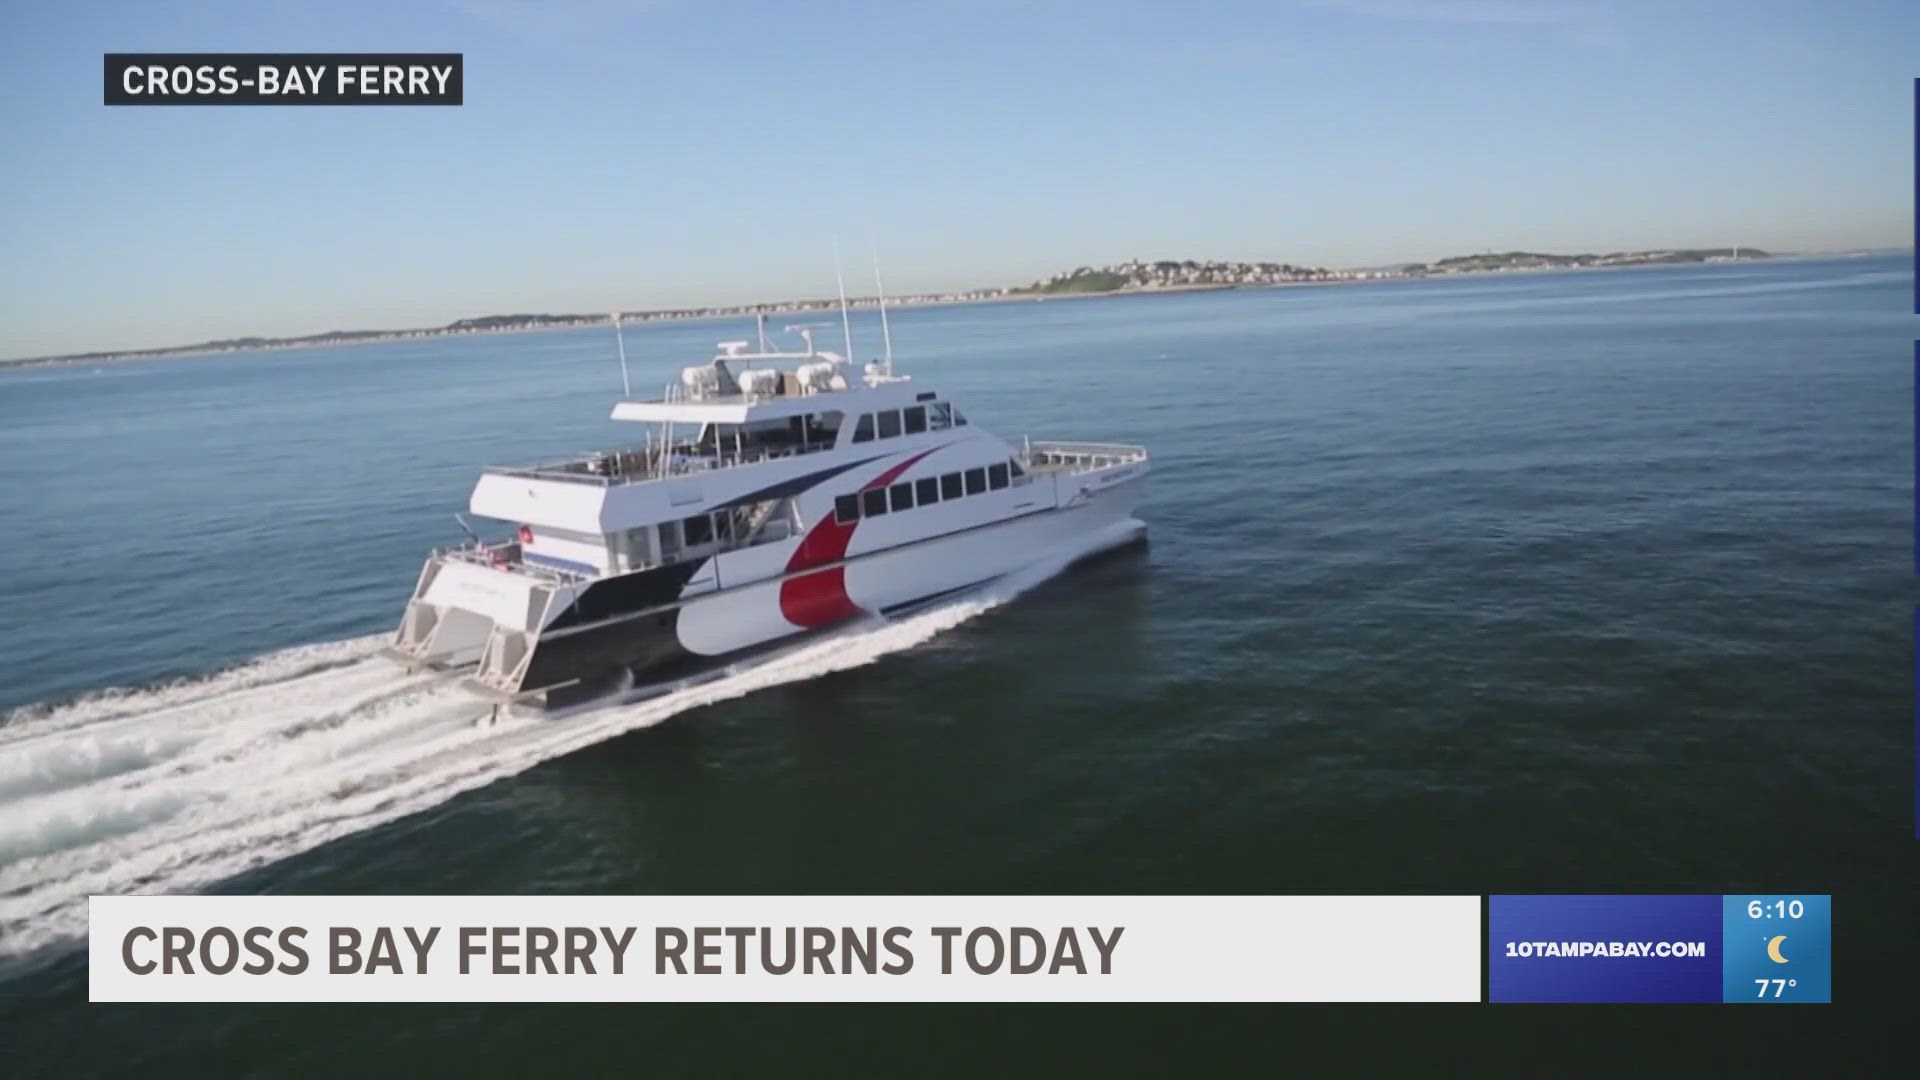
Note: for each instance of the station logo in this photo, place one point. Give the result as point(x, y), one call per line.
point(1604, 948)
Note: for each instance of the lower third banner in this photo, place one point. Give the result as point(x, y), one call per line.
point(784, 948)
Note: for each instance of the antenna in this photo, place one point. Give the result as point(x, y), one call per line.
point(626, 388)
point(846, 324)
point(760, 322)
point(805, 330)
point(886, 335)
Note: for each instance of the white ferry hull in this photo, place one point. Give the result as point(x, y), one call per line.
point(885, 580)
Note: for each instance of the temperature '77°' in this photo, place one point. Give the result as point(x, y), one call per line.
point(1779, 986)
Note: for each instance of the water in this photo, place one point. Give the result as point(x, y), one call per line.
point(1577, 582)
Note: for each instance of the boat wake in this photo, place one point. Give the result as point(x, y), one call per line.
point(173, 788)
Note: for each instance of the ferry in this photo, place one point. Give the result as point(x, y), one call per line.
point(774, 494)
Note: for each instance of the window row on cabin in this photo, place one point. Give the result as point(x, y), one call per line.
point(926, 491)
point(937, 416)
point(730, 527)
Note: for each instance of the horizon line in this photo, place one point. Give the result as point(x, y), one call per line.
point(719, 310)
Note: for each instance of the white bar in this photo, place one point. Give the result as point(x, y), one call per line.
point(1169, 948)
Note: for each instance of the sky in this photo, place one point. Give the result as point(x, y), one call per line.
point(641, 154)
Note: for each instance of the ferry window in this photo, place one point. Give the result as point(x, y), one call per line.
point(939, 416)
point(889, 423)
point(723, 526)
point(846, 509)
point(823, 429)
point(916, 419)
point(958, 420)
point(926, 492)
point(997, 475)
point(669, 541)
point(633, 543)
point(1015, 465)
point(698, 529)
point(976, 481)
point(873, 503)
point(902, 496)
point(863, 431)
point(950, 486)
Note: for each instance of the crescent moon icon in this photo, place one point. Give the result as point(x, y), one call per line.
point(1773, 950)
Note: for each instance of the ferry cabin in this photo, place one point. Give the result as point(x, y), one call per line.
point(749, 474)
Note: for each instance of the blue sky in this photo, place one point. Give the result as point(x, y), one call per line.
point(656, 152)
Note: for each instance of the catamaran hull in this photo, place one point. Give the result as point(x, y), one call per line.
point(652, 646)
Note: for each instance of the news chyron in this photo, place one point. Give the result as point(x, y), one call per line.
point(284, 79)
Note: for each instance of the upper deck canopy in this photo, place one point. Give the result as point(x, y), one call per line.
point(742, 387)
point(755, 394)
point(731, 409)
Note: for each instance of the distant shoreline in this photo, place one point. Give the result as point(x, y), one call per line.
point(435, 333)
point(427, 334)
point(558, 323)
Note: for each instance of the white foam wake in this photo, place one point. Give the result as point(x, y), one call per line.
point(174, 788)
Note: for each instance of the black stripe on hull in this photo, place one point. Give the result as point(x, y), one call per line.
point(902, 608)
point(628, 593)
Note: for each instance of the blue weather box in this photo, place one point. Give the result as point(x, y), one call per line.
point(1777, 949)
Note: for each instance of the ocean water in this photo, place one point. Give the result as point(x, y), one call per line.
point(1563, 582)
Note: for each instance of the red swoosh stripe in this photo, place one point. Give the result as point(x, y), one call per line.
point(816, 600)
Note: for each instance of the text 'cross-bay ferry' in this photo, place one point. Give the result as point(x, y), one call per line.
point(778, 493)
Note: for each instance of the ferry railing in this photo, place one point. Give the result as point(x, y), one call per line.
point(1079, 457)
point(628, 466)
point(507, 556)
